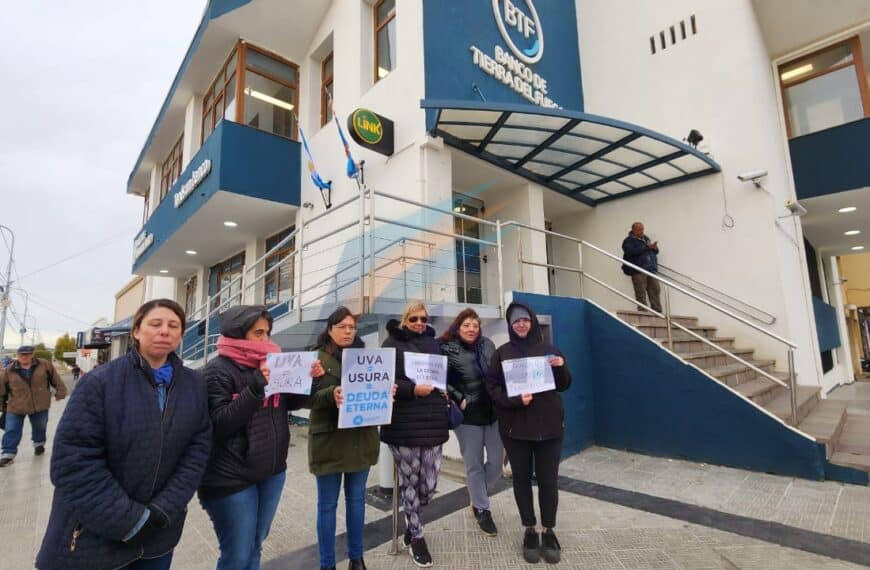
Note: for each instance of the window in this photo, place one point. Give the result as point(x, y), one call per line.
point(145, 207)
point(825, 89)
point(469, 286)
point(219, 102)
point(385, 38)
point(326, 90)
point(222, 275)
point(171, 169)
point(190, 296)
point(278, 285)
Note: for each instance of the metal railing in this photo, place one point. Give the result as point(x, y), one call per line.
point(667, 315)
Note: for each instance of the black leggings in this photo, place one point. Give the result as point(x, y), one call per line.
point(545, 457)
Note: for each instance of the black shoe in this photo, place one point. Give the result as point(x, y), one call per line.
point(40, 449)
point(406, 540)
point(531, 546)
point(357, 565)
point(6, 461)
point(420, 553)
point(551, 548)
point(485, 522)
point(330, 568)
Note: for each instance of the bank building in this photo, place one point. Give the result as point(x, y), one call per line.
point(502, 149)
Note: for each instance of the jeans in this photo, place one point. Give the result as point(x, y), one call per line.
point(544, 457)
point(328, 488)
point(15, 429)
point(162, 563)
point(242, 522)
point(482, 476)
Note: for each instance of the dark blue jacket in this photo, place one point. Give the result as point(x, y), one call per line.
point(635, 251)
point(115, 454)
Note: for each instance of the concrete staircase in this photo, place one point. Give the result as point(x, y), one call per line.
point(846, 438)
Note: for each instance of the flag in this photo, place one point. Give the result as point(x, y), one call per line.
point(352, 168)
point(315, 177)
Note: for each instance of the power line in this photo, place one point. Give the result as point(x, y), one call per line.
point(61, 313)
point(104, 243)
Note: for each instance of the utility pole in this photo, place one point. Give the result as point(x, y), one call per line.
point(23, 328)
point(4, 301)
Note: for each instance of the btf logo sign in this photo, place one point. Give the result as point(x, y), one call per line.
point(525, 26)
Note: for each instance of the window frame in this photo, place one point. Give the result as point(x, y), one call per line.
point(170, 168)
point(857, 63)
point(212, 97)
point(326, 82)
point(279, 256)
point(378, 27)
point(294, 87)
point(221, 268)
point(190, 295)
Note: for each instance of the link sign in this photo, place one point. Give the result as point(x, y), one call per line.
point(372, 131)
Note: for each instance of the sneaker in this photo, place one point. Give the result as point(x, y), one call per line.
point(6, 461)
point(550, 547)
point(485, 522)
point(39, 450)
point(531, 546)
point(406, 540)
point(420, 553)
point(357, 565)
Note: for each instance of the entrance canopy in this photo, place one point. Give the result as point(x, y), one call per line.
point(589, 158)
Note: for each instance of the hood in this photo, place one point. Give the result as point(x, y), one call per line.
point(236, 321)
point(536, 336)
point(400, 333)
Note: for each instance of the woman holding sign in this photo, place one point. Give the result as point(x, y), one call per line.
point(246, 470)
point(526, 376)
point(335, 453)
point(419, 425)
point(468, 358)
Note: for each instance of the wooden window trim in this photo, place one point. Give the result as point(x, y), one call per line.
point(325, 82)
point(854, 43)
point(378, 27)
point(170, 169)
point(279, 256)
point(294, 86)
point(223, 77)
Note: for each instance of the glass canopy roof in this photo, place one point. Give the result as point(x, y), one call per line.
point(589, 158)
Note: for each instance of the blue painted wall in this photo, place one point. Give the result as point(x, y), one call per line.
point(826, 325)
point(244, 161)
point(662, 407)
point(833, 160)
point(450, 28)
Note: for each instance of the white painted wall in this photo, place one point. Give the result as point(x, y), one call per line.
point(721, 83)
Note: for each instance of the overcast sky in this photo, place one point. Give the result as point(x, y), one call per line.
point(81, 86)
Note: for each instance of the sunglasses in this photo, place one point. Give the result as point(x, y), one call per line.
point(415, 319)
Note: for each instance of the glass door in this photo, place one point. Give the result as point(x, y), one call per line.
point(469, 284)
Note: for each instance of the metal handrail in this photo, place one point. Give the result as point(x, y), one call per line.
point(435, 208)
point(767, 318)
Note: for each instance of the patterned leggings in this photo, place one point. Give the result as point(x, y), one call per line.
point(418, 476)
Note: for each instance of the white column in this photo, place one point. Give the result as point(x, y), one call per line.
point(192, 130)
point(835, 295)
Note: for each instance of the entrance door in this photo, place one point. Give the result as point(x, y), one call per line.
point(469, 286)
point(551, 273)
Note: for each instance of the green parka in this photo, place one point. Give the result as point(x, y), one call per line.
point(333, 450)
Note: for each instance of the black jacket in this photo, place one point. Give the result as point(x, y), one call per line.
point(636, 250)
point(544, 417)
point(467, 368)
point(115, 454)
point(417, 422)
point(250, 439)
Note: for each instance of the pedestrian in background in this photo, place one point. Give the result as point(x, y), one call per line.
point(418, 428)
point(468, 359)
point(639, 250)
point(242, 485)
point(128, 455)
point(532, 427)
point(26, 388)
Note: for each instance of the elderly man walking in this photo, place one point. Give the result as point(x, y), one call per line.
point(26, 388)
point(638, 249)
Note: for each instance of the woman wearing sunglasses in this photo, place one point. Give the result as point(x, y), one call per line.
point(419, 425)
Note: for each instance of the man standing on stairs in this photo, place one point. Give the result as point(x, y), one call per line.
point(638, 249)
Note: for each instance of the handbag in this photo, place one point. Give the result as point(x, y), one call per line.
point(455, 417)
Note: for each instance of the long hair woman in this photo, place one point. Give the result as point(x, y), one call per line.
point(246, 471)
point(532, 427)
point(419, 425)
point(468, 358)
point(128, 455)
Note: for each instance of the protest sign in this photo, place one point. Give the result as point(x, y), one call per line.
point(289, 372)
point(528, 375)
point(367, 383)
point(423, 368)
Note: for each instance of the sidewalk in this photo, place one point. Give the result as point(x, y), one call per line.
point(610, 516)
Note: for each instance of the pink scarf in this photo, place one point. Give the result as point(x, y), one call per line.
point(251, 353)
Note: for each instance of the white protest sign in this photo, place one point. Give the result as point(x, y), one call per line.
point(423, 368)
point(289, 372)
point(367, 383)
point(528, 375)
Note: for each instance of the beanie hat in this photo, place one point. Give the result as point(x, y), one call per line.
point(519, 313)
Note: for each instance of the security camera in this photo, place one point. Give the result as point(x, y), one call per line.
point(795, 208)
point(753, 176)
